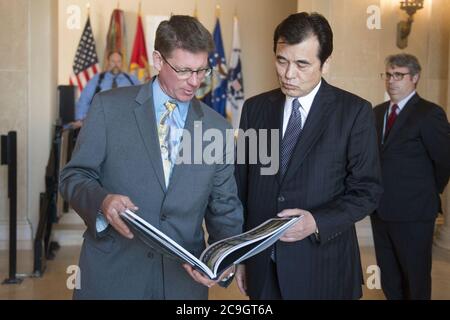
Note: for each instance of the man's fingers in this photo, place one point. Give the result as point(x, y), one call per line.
point(290, 212)
point(241, 285)
point(128, 204)
point(197, 276)
point(120, 226)
point(241, 280)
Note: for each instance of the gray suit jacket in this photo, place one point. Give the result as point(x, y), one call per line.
point(118, 152)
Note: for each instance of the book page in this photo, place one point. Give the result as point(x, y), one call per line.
point(271, 230)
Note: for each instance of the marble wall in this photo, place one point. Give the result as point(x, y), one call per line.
point(28, 79)
point(14, 77)
point(359, 52)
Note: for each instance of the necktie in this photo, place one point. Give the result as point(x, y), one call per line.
point(164, 139)
point(293, 129)
point(114, 83)
point(391, 120)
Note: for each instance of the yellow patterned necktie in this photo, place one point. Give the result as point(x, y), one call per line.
point(164, 137)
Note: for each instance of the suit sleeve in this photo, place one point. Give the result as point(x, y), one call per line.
point(80, 179)
point(436, 138)
point(362, 183)
point(223, 217)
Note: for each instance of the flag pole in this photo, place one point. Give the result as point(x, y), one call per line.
point(88, 7)
point(118, 4)
point(140, 8)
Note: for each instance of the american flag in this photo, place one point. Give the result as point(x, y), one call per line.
point(85, 64)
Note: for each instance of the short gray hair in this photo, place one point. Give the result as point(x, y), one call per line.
point(404, 60)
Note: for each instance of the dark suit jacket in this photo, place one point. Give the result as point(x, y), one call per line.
point(334, 173)
point(415, 160)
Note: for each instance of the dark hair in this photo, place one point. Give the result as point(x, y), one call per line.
point(300, 26)
point(404, 60)
point(182, 32)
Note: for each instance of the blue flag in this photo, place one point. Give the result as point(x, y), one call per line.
point(213, 91)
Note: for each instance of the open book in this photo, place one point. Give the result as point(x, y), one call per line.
point(219, 256)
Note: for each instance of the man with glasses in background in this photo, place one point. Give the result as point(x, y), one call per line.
point(414, 142)
point(125, 158)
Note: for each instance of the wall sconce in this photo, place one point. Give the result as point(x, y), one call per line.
point(404, 27)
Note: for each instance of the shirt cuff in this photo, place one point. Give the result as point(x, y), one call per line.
point(101, 223)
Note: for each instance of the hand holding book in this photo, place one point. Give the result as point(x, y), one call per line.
point(219, 256)
point(204, 279)
point(299, 231)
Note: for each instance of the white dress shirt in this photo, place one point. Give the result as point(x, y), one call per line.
point(305, 106)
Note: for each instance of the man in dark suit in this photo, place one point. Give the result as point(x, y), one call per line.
point(413, 136)
point(329, 172)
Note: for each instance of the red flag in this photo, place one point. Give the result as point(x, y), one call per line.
point(139, 58)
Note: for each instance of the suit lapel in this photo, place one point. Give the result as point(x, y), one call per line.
point(195, 113)
point(274, 119)
point(146, 121)
point(380, 116)
point(313, 128)
point(401, 119)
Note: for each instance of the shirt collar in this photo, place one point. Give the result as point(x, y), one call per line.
point(305, 101)
point(160, 97)
point(402, 103)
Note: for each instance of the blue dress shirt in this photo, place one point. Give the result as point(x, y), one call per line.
point(179, 119)
point(179, 116)
point(83, 104)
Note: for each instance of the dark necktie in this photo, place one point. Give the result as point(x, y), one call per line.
point(114, 83)
point(293, 130)
point(390, 120)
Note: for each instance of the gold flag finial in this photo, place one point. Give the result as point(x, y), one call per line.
point(196, 10)
point(218, 11)
point(118, 4)
point(88, 7)
point(140, 8)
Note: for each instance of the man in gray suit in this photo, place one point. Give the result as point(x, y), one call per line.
point(126, 157)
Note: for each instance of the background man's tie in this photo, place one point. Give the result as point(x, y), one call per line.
point(391, 120)
point(164, 139)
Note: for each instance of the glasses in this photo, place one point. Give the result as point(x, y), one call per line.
point(397, 76)
point(185, 74)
